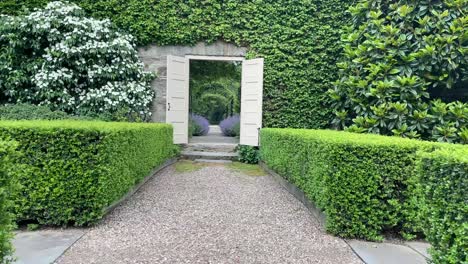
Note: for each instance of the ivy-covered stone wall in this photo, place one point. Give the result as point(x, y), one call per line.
point(155, 60)
point(299, 40)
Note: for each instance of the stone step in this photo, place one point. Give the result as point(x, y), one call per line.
point(211, 147)
point(214, 129)
point(214, 139)
point(193, 155)
point(214, 161)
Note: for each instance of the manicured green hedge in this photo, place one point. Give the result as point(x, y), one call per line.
point(78, 168)
point(7, 188)
point(444, 177)
point(299, 39)
point(365, 184)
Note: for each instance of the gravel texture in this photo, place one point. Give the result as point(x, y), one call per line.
point(213, 215)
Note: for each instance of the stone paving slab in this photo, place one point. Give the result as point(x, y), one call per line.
point(214, 161)
point(43, 246)
point(420, 246)
point(214, 139)
point(213, 215)
point(213, 147)
point(386, 253)
point(193, 155)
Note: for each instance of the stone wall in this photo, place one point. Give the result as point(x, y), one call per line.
point(155, 60)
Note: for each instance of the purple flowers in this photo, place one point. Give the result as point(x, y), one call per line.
point(231, 126)
point(199, 126)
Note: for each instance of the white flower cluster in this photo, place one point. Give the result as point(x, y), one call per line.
point(87, 64)
point(113, 95)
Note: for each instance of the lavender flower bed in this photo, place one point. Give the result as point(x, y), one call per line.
point(230, 126)
point(199, 125)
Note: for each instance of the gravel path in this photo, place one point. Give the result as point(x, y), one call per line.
point(213, 215)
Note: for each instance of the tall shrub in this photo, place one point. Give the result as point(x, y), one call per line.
point(396, 52)
point(58, 57)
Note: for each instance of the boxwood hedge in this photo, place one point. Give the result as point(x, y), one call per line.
point(75, 169)
point(365, 184)
point(7, 188)
point(368, 184)
point(444, 177)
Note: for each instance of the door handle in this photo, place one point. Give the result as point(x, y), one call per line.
point(168, 106)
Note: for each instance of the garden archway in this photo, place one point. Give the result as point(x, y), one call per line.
point(171, 64)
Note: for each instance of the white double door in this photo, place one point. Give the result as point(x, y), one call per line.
point(177, 108)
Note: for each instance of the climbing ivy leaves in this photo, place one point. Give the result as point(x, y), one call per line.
point(299, 40)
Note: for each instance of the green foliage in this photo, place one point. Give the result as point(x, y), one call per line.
point(248, 154)
point(30, 112)
point(7, 188)
point(211, 71)
point(185, 166)
point(42, 112)
point(215, 89)
point(32, 227)
point(78, 168)
point(397, 54)
point(365, 184)
point(58, 57)
point(299, 40)
point(444, 177)
point(248, 169)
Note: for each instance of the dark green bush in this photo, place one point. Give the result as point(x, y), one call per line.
point(444, 177)
point(78, 168)
point(7, 188)
point(41, 112)
point(30, 112)
point(365, 184)
point(299, 39)
point(399, 56)
point(248, 154)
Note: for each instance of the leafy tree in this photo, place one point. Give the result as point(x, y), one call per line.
point(59, 58)
point(396, 53)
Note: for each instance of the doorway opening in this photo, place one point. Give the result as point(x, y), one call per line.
point(251, 97)
point(214, 101)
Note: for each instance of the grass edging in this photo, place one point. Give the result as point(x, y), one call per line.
point(298, 194)
point(139, 185)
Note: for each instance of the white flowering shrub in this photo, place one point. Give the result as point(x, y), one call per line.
point(58, 57)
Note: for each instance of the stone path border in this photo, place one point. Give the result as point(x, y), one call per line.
point(138, 186)
point(44, 246)
point(299, 194)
